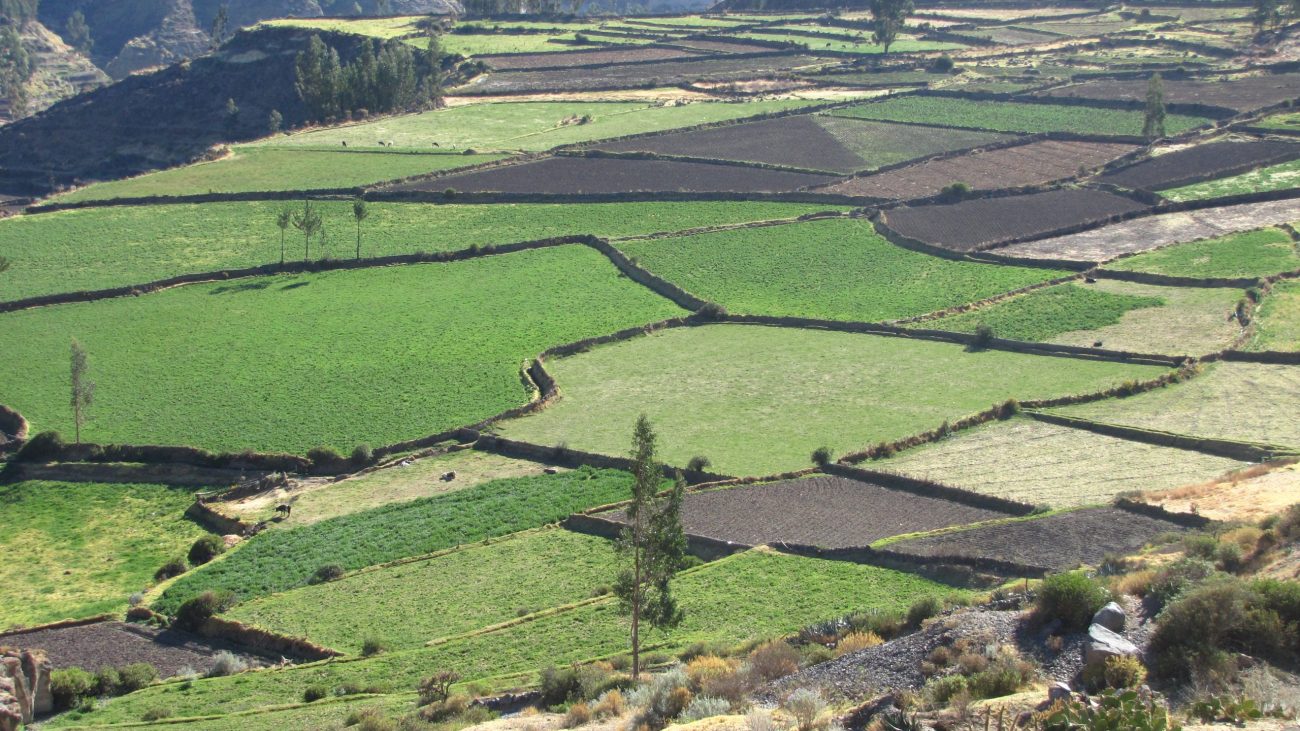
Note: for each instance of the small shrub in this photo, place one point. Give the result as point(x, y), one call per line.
point(1225, 709)
point(1173, 580)
point(1228, 557)
point(854, 641)
point(923, 609)
point(702, 707)
point(324, 456)
point(135, 676)
point(578, 715)
point(706, 667)
point(1200, 545)
point(884, 623)
point(174, 567)
point(46, 445)
point(772, 660)
point(313, 693)
point(942, 65)
point(822, 456)
point(452, 707)
point(609, 705)
point(941, 690)
point(373, 646)
point(330, 572)
point(1072, 598)
point(362, 454)
point(559, 686)
point(369, 719)
point(191, 615)
point(437, 687)
point(807, 707)
point(759, 720)
point(205, 549)
point(711, 311)
point(226, 663)
point(1117, 673)
point(155, 714)
point(662, 699)
point(955, 191)
point(1210, 621)
point(698, 463)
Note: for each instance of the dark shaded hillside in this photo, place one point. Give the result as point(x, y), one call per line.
point(160, 119)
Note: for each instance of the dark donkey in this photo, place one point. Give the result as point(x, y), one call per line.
point(283, 510)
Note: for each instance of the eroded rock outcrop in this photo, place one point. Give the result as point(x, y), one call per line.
point(24, 687)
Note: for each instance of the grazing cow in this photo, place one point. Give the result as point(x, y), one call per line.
point(283, 510)
point(345, 142)
point(1096, 343)
point(448, 476)
point(550, 470)
point(1090, 280)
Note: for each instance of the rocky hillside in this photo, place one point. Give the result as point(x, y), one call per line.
point(60, 72)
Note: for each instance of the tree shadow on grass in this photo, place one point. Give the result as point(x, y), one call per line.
point(241, 287)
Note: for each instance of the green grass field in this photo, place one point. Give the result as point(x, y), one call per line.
point(373, 27)
point(1277, 177)
point(902, 45)
point(1247, 254)
point(1277, 325)
point(284, 559)
point(838, 269)
point(409, 604)
point(284, 363)
point(1044, 313)
point(80, 549)
point(1014, 116)
point(755, 594)
point(1249, 402)
point(1190, 320)
point(96, 248)
point(1043, 464)
point(758, 400)
point(251, 169)
point(529, 126)
point(1282, 121)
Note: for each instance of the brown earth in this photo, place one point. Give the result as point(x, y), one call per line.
point(1201, 162)
point(1240, 94)
point(584, 58)
point(665, 73)
point(113, 644)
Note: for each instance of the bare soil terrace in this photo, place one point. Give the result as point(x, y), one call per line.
point(113, 644)
point(514, 62)
point(1200, 162)
point(1241, 94)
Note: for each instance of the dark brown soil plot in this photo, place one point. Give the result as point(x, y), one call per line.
point(627, 76)
point(792, 141)
point(1009, 167)
point(722, 46)
point(586, 175)
point(978, 224)
point(113, 644)
point(583, 58)
point(1241, 94)
point(830, 512)
point(1056, 542)
point(1202, 162)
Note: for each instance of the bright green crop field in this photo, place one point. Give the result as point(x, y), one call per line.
point(758, 400)
point(373, 27)
point(251, 169)
point(527, 126)
point(903, 45)
point(755, 594)
point(282, 559)
point(1277, 325)
point(409, 604)
point(81, 548)
point(1014, 116)
point(1277, 177)
point(1248, 254)
point(284, 363)
point(96, 248)
point(1044, 313)
point(838, 269)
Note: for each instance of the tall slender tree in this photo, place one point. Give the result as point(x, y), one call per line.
point(309, 222)
point(283, 220)
point(887, 19)
point(651, 547)
point(77, 33)
point(219, 25)
point(1153, 120)
point(359, 213)
point(83, 389)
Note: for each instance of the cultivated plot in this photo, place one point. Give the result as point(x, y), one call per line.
point(290, 362)
point(114, 644)
point(838, 269)
point(252, 169)
point(1249, 402)
point(632, 75)
point(758, 400)
point(85, 546)
point(1013, 116)
point(597, 57)
point(1045, 464)
point(1277, 324)
point(98, 248)
point(1182, 166)
point(1152, 232)
point(1240, 94)
point(1248, 254)
point(1056, 542)
point(1275, 177)
point(884, 143)
point(823, 511)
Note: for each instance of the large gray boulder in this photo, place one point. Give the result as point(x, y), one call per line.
point(1104, 644)
point(1111, 617)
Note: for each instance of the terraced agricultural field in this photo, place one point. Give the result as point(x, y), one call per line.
point(1190, 164)
point(86, 546)
point(634, 75)
point(1275, 177)
point(1013, 116)
point(980, 224)
point(1056, 542)
point(1277, 324)
point(594, 57)
point(525, 125)
point(1128, 316)
point(883, 143)
point(1045, 464)
point(337, 353)
point(1007, 167)
point(1238, 93)
point(111, 643)
point(1247, 254)
point(409, 604)
point(484, 46)
point(767, 271)
point(278, 560)
point(823, 511)
point(373, 27)
point(845, 391)
point(865, 46)
point(251, 169)
point(751, 595)
point(136, 244)
point(1249, 402)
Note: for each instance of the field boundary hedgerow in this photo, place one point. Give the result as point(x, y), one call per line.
point(1243, 451)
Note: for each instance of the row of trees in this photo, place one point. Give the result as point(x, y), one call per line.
point(309, 221)
point(384, 77)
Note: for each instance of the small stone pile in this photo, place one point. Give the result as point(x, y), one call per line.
point(24, 687)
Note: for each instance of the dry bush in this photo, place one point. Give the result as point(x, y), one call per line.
point(1134, 583)
point(759, 720)
point(609, 705)
point(807, 706)
point(854, 641)
point(731, 687)
point(579, 715)
point(706, 667)
point(772, 660)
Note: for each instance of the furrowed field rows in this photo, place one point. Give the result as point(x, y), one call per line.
point(1013, 116)
point(1201, 161)
point(86, 546)
point(857, 274)
point(290, 362)
point(1249, 402)
point(1044, 464)
point(758, 400)
point(751, 595)
point(100, 248)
